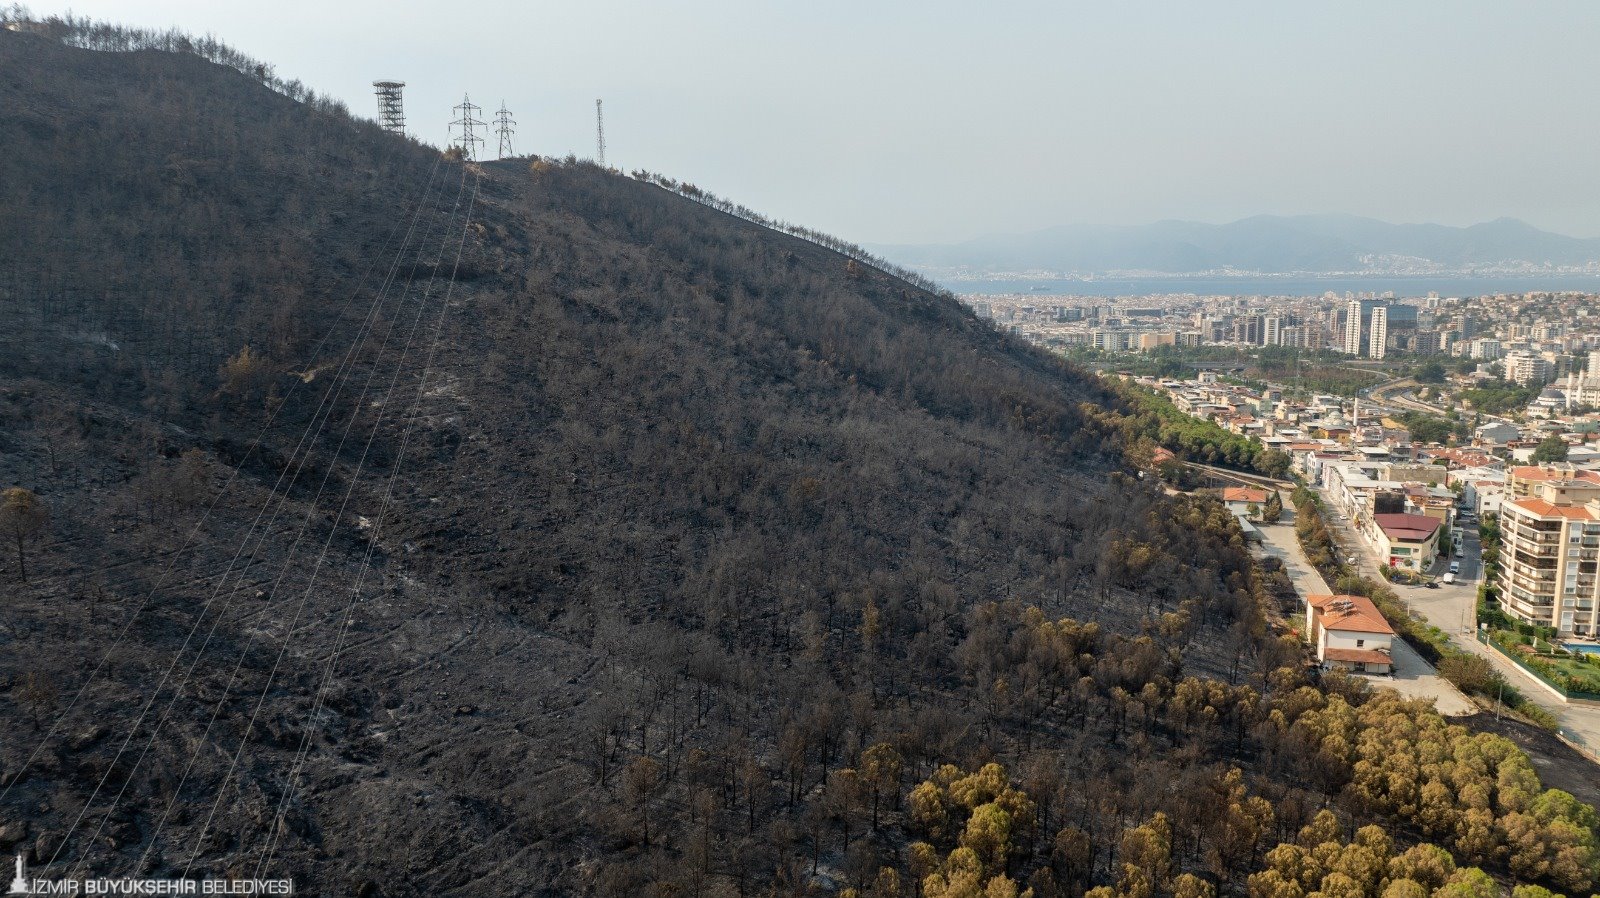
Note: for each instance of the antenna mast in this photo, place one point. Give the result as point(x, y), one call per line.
point(599, 136)
point(468, 123)
point(506, 127)
point(391, 111)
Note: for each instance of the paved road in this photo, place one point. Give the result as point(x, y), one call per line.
point(1406, 398)
point(1413, 676)
point(1452, 609)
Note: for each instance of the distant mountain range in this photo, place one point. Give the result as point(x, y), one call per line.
point(1264, 244)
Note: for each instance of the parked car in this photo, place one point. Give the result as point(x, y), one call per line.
point(1455, 567)
point(1431, 584)
point(1448, 579)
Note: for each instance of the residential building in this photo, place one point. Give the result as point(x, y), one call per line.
point(1349, 633)
point(1378, 332)
point(1240, 498)
point(1272, 330)
point(1408, 541)
point(1495, 433)
point(1548, 553)
point(1562, 484)
point(1527, 369)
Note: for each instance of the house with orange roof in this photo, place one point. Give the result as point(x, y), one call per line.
point(1349, 633)
point(1240, 498)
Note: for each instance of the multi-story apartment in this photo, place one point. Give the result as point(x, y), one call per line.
point(1486, 349)
point(1272, 330)
point(1378, 332)
point(1527, 369)
point(1550, 544)
point(1562, 484)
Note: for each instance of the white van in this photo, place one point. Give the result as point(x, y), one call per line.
point(1449, 579)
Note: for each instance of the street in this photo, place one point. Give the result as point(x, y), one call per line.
point(1453, 608)
point(1413, 676)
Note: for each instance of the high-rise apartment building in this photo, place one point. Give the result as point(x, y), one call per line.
point(1550, 545)
point(1378, 332)
point(1272, 330)
point(1358, 324)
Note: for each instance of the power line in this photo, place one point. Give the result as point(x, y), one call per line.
point(506, 127)
point(308, 437)
point(292, 781)
point(467, 122)
point(194, 532)
point(246, 623)
point(339, 514)
point(599, 136)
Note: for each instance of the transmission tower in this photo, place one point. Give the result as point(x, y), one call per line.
point(467, 123)
point(506, 127)
point(599, 136)
point(391, 112)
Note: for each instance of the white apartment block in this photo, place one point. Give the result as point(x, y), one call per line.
point(1525, 369)
point(1486, 349)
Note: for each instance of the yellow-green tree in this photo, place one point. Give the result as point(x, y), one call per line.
point(880, 770)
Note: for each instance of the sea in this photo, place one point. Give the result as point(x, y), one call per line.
point(1285, 285)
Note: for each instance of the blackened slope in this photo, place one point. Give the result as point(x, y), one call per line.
point(668, 463)
point(179, 210)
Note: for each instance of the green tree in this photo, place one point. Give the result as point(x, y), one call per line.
point(1550, 449)
point(1431, 372)
point(1273, 509)
point(988, 834)
point(23, 515)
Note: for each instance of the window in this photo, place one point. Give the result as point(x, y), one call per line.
point(1360, 643)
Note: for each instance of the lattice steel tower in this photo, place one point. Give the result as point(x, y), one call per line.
point(506, 127)
point(599, 136)
point(391, 112)
point(467, 123)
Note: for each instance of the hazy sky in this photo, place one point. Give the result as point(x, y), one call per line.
point(898, 121)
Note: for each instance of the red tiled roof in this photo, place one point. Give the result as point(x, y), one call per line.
point(1537, 473)
point(1414, 528)
point(1243, 494)
point(1547, 510)
point(1361, 616)
point(1367, 656)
